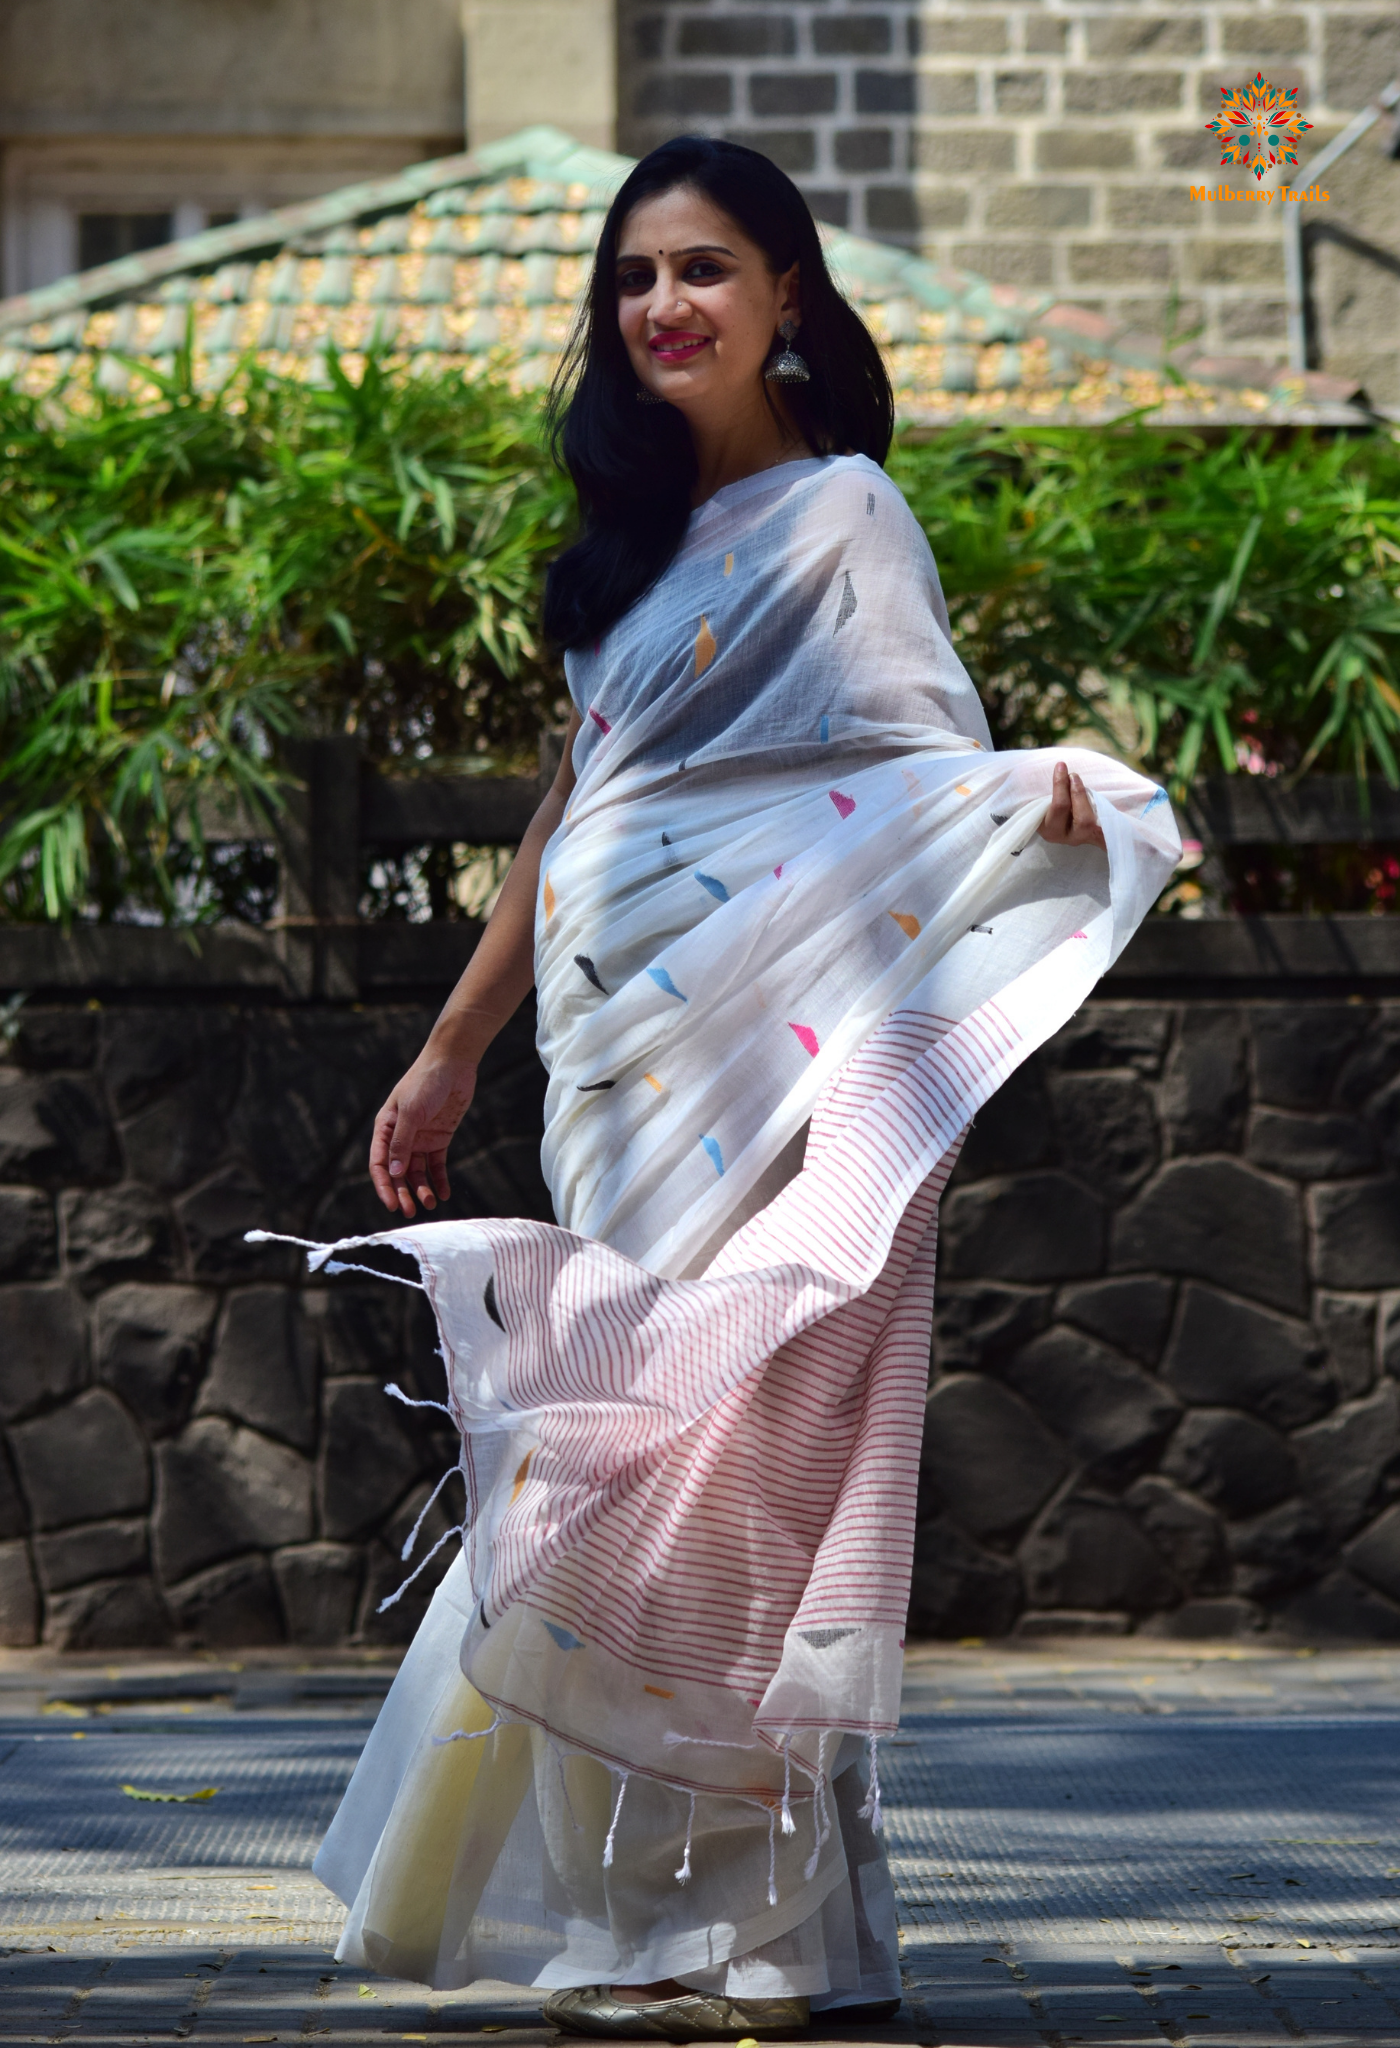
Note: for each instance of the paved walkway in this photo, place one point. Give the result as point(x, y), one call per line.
point(1117, 1843)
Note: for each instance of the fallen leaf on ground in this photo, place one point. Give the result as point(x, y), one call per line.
point(170, 1798)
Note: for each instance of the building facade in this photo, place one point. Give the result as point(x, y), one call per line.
point(1054, 144)
point(1051, 144)
point(123, 126)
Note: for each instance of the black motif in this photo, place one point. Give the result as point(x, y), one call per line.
point(847, 607)
point(489, 1300)
point(582, 960)
point(592, 1087)
point(823, 1638)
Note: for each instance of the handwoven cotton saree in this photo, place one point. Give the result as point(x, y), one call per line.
point(796, 927)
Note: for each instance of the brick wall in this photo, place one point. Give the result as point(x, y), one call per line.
point(1049, 145)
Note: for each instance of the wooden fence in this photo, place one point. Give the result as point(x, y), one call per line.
point(320, 949)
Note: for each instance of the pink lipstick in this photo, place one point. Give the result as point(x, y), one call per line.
point(677, 348)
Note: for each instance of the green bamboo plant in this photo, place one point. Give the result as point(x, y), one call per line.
point(186, 582)
point(1201, 606)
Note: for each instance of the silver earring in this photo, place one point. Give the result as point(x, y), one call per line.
point(788, 367)
point(645, 397)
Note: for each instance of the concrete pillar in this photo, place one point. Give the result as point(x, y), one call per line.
point(541, 60)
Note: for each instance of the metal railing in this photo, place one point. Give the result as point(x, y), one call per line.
point(1295, 262)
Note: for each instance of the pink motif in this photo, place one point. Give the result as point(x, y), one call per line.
point(806, 1037)
point(1079, 935)
point(844, 804)
point(599, 720)
point(778, 871)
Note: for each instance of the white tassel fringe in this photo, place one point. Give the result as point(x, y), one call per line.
point(871, 1809)
point(683, 1874)
point(612, 1831)
point(468, 1734)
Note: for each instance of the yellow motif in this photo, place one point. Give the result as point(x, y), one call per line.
point(729, 571)
point(962, 789)
point(658, 1693)
point(520, 1478)
point(908, 924)
point(548, 897)
point(705, 649)
point(657, 1085)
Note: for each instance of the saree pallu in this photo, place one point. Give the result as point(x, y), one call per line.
point(795, 929)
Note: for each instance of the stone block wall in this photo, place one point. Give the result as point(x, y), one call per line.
point(1168, 1332)
point(1052, 143)
point(1164, 1387)
point(195, 1444)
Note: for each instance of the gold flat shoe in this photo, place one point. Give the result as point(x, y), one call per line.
point(699, 2016)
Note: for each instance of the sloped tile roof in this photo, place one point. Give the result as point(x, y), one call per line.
point(476, 261)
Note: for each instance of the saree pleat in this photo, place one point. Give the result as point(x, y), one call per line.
point(796, 928)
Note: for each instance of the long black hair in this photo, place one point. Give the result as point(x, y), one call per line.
point(633, 465)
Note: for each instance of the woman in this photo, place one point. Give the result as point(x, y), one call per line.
point(791, 921)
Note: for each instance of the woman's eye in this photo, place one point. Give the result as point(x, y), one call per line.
point(634, 280)
point(704, 272)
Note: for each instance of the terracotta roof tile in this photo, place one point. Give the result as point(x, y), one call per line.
point(476, 262)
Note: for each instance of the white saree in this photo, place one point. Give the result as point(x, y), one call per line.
point(796, 927)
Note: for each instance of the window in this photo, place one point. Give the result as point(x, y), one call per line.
point(103, 237)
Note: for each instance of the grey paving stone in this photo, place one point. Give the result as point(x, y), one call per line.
point(1117, 1844)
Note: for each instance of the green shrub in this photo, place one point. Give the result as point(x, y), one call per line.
point(183, 583)
point(1207, 607)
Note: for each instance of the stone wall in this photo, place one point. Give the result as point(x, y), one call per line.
point(1052, 144)
point(1164, 1384)
point(197, 1446)
point(1169, 1332)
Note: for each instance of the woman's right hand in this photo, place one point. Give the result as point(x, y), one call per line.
point(408, 1155)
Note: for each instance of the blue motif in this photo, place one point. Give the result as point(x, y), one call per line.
point(665, 984)
point(825, 727)
point(562, 1636)
point(714, 885)
point(713, 1153)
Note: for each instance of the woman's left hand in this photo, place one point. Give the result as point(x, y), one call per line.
point(1070, 820)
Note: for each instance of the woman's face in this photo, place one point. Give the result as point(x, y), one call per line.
point(697, 304)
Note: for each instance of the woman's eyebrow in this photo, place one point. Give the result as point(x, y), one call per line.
point(699, 249)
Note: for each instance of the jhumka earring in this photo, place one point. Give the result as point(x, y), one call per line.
point(645, 397)
point(788, 367)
